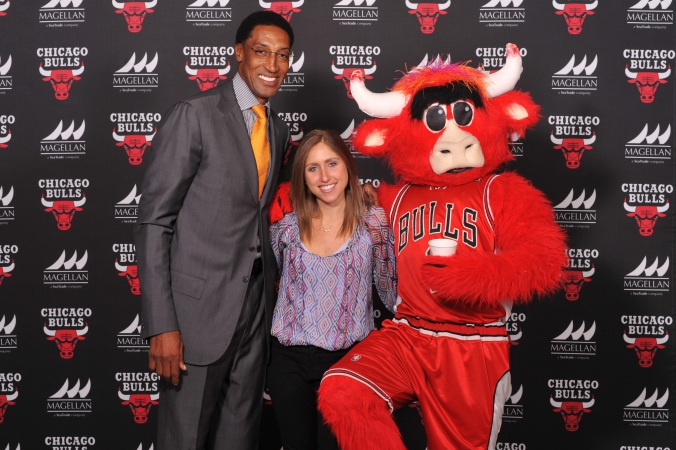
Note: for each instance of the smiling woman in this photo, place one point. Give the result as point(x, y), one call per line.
point(329, 250)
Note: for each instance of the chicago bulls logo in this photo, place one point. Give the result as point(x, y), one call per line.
point(62, 80)
point(572, 412)
point(5, 401)
point(3, 8)
point(135, 145)
point(575, 14)
point(573, 281)
point(647, 82)
point(5, 139)
point(573, 148)
point(346, 74)
point(63, 210)
point(131, 272)
point(134, 13)
point(139, 404)
point(427, 14)
point(645, 347)
point(66, 340)
point(646, 216)
point(284, 9)
point(207, 78)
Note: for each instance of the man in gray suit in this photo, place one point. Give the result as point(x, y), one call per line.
point(203, 246)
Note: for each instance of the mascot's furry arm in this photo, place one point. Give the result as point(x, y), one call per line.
point(530, 252)
point(281, 203)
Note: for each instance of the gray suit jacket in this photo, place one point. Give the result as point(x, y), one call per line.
point(198, 222)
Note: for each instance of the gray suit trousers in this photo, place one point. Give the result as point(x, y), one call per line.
point(219, 406)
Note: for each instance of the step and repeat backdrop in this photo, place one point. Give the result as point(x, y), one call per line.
point(84, 85)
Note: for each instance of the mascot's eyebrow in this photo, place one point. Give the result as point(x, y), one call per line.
point(444, 95)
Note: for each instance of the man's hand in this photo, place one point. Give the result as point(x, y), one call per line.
point(166, 356)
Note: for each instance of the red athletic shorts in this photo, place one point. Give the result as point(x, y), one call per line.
point(458, 374)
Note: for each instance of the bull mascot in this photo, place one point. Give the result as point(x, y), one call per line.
point(445, 130)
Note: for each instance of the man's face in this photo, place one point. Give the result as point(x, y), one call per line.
point(264, 76)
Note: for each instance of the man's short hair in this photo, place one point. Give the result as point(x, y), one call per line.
point(262, 18)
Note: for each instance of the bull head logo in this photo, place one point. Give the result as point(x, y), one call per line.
point(5, 139)
point(647, 82)
point(575, 14)
point(346, 75)
point(139, 404)
point(131, 272)
point(646, 216)
point(645, 347)
point(5, 272)
point(207, 78)
point(573, 148)
point(572, 412)
point(63, 210)
point(135, 145)
point(134, 13)
point(5, 401)
point(284, 9)
point(573, 281)
point(66, 340)
point(62, 80)
point(427, 14)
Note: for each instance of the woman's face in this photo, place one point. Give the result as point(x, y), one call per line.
point(326, 175)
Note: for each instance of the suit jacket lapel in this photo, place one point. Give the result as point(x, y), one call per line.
point(233, 124)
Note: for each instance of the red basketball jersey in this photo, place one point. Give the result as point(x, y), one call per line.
point(422, 213)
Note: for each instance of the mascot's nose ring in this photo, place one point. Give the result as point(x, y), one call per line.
point(435, 115)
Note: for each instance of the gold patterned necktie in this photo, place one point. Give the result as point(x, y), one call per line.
point(260, 145)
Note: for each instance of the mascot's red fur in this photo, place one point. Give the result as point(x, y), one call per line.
point(445, 128)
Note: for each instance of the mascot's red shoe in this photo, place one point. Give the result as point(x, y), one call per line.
point(444, 130)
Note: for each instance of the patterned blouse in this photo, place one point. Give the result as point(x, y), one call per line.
point(326, 301)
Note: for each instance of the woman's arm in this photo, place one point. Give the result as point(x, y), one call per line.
point(279, 238)
point(382, 257)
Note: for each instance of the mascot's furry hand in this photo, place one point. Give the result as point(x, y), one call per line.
point(467, 278)
point(476, 279)
point(530, 253)
point(281, 203)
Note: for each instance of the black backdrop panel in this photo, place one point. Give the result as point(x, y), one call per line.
point(69, 192)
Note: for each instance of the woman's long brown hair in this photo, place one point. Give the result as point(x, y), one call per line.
point(305, 202)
